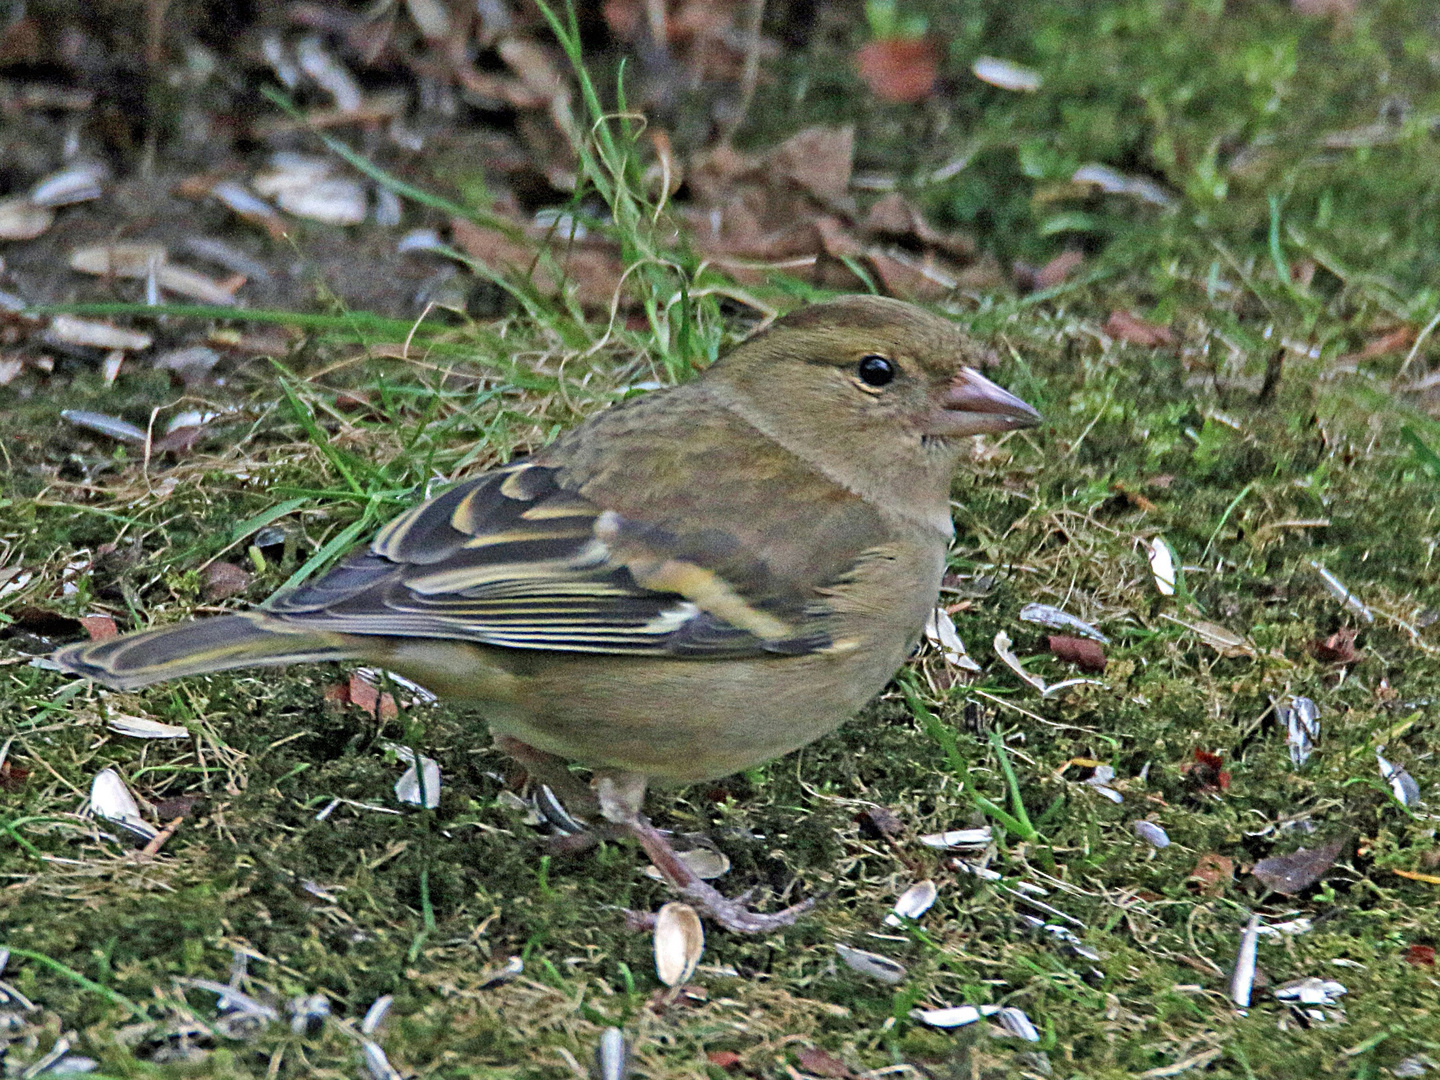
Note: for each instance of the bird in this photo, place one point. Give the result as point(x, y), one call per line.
point(690, 583)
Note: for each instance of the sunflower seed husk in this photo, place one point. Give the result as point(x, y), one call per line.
point(388, 210)
point(1151, 833)
point(1162, 566)
point(235, 198)
point(1412, 1066)
point(232, 1000)
point(1402, 784)
point(1242, 979)
point(679, 941)
point(1018, 1024)
point(73, 1065)
point(376, 1014)
point(69, 330)
point(1311, 991)
point(1112, 182)
point(956, 1016)
point(1006, 75)
point(101, 424)
point(913, 903)
point(1337, 589)
point(376, 1063)
point(1100, 781)
point(182, 281)
point(560, 223)
point(1302, 728)
point(880, 968)
point(20, 219)
point(612, 1055)
point(703, 862)
point(334, 201)
point(117, 260)
point(941, 633)
point(111, 799)
point(77, 183)
point(1003, 650)
point(553, 811)
point(43, 1064)
point(329, 73)
point(408, 788)
point(140, 727)
point(958, 838)
point(420, 240)
point(1052, 618)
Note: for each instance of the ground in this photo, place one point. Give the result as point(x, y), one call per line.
point(1240, 370)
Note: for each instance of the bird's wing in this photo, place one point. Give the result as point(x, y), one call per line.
point(515, 559)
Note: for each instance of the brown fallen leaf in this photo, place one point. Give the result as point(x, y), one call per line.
point(818, 159)
point(1300, 869)
point(223, 580)
point(592, 273)
point(1211, 873)
point(1058, 269)
point(881, 822)
point(1420, 955)
point(99, 627)
point(1137, 331)
point(1085, 654)
point(819, 1062)
point(721, 1059)
point(1397, 340)
point(363, 695)
point(893, 215)
point(1338, 648)
point(900, 71)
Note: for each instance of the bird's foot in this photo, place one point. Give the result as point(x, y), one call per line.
point(734, 915)
point(619, 801)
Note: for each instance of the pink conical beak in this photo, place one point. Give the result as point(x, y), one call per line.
point(973, 405)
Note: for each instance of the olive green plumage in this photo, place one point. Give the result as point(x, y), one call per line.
point(688, 584)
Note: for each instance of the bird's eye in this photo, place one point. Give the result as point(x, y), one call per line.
point(875, 370)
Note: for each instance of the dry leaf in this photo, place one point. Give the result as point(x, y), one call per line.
point(819, 1062)
point(367, 696)
point(1084, 654)
point(1338, 648)
point(1300, 869)
point(99, 627)
point(898, 70)
point(1137, 331)
point(818, 159)
point(1058, 269)
point(223, 580)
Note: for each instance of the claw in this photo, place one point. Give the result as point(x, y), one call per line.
point(733, 915)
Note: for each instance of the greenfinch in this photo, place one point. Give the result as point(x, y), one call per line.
point(688, 584)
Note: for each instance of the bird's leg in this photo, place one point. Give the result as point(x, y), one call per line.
point(621, 796)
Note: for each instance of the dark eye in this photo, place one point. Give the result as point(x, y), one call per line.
point(875, 370)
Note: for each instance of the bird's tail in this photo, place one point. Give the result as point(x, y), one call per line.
point(196, 648)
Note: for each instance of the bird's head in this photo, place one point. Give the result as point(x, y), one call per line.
point(868, 367)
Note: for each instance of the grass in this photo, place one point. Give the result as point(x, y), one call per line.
point(1333, 468)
